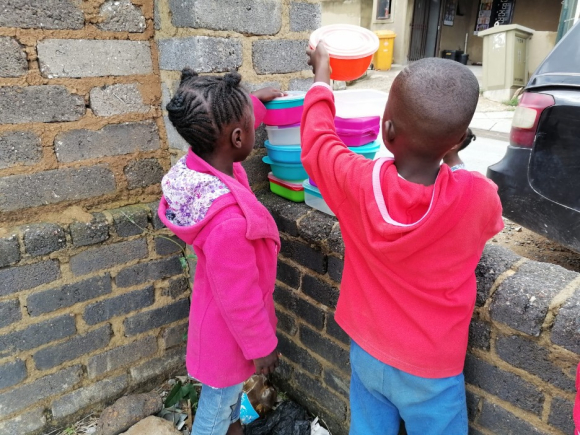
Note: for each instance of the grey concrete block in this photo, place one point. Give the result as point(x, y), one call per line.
point(299, 355)
point(121, 16)
point(494, 261)
point(45, 14)
point(305, 17)
point(156, 16)
point(43, 238)
point(561, 413)
point(335, 241)
point(535, 359)
point(111, 140)
point(37, 334)
point(27, 395)
point(174, 336)
point(174, 139)
point(337, 381)
point(165, 245)
point(279, 56)
point(13, 61)
point(285, 213)
point(12, 373)
point(314, 390)
point(24, 423)
point(255, 168)
point(566, 329)
point(130, 220)
point(255, 17)
point(150, 271)
point(104, 257)
point(473, 401)
point(143, 173)
point(121, 356)
point(176, 287)
point(58, 185)
point(335, 268)
point(252, 86)
point(119, 305)
point(9, 250)
point(93, 58)
point(19, 148)
point(288, 274)
point(522, 300)
point(479, 334)
point(334, 330)
point(202, 53)
point(68, 295)
point(286, 323)
point(74, 348)
point(505, 385)
point(155, 318)
point(310, 313)
point(86, 396)
point(15, 279)
point(9, 313)
point(117, 100)
point(47, 103)
point(316, 227)
point(306, 255)
point(326, 348)
point(499, 421)
point(90, 233)
point(170, 362)
point(300, 84)
point(155, 221)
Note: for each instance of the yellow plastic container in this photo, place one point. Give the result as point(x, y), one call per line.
point(383, 58)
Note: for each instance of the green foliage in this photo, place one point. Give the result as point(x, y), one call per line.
point(181, 392)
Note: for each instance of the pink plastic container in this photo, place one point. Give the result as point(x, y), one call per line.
point(355, 132)
point(288, 116)
point(311, 181)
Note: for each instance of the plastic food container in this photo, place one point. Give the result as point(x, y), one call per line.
point(368, 150)
point(355, 132)
point(356, 103)
point(312, 183)
point(286, 189)
point(285, 110)
point(283, 153)
point(351, 49)
point(284, 135)
point(314, 199)
point(287, 171)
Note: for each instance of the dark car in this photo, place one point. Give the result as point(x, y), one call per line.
point(539, 177)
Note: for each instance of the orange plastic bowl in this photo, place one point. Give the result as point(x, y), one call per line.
point(351, 49)
point(346, 70)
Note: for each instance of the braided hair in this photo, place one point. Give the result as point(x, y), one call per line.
point(204, 105)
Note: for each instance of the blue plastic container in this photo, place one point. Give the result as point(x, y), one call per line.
point(283, 153)
point(293, 99)
point(286, 171)
point(368, 150)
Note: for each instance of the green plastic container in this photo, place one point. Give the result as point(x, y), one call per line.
point(292, 191)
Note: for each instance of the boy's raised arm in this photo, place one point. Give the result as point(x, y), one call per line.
point(326, 158)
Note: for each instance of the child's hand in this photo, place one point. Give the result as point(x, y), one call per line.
point(268, 94)
point(267, 364)
point(320, 61)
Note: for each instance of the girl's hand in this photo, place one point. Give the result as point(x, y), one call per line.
point(268, 94)
point(320, 62)
point(267, 364)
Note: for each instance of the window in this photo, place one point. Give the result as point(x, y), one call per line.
point(383, 10)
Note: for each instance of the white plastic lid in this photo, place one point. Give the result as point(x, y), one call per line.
point(291, 96)
point(346, 41)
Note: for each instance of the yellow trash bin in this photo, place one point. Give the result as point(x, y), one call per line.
point(383, 58)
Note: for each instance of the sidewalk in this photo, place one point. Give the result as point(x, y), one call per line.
point(491, 118)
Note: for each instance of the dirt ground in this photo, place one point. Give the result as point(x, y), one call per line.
point(535, 247)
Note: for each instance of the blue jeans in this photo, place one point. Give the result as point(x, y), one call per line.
point(381, 395)
point(217, 409)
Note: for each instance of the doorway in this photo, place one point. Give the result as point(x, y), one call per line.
point(425, 27)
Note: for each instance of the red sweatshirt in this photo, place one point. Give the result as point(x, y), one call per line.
point(408, 287)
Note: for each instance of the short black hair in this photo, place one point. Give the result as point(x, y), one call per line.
point(435, 99)
point(203, 105)
point(468, 139)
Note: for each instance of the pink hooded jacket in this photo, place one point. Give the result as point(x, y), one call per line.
point(232, 320)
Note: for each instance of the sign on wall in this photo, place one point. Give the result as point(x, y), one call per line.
point(494, 13)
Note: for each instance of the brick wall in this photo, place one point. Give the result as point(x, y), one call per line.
point(524, 340)
point(93, 297)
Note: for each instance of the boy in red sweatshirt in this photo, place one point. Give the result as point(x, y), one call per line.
point(413, 232)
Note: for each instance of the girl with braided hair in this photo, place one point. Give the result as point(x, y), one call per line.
point(207, 202)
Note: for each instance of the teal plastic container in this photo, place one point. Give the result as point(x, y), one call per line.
point(293, 99)
point(283, 153)
point(368, 150)
point(286, 171)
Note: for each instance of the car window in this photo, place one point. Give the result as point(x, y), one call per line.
point(565, 57)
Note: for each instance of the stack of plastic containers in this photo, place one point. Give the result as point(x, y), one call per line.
point(283, 146)
point(360, 136)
